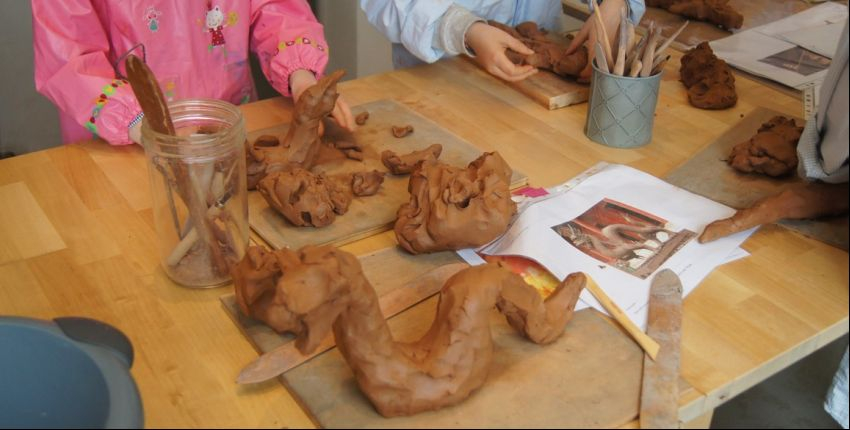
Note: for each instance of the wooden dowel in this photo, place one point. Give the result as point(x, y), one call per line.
point(647, 343)
point(622, 45)
point(663, 47)
point(607, 42)
point(649, 50)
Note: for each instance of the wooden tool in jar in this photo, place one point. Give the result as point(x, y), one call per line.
point(191, 189)
point(633, 58)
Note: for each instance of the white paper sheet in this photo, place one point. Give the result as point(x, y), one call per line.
point(665, 214)
point(794, 51)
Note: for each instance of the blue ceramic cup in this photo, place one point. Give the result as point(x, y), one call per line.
point(621, 110)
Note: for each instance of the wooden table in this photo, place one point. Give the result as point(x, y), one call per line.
point(76, 238)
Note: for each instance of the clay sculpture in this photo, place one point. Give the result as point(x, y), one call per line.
point(361, 118)
point(453, 208)
point(772, 151)
point(402, 130)
point(316, 290)
point(709, 80)
point(307, 199)
point(548, 54)
point(404, 164)
point(300, 146)
point(717, 12)
point(800, 201)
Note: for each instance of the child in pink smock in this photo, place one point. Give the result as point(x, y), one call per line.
point(196, 48)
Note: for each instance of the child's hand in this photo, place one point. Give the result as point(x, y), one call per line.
point(610, 12)
point(302, 79)
point(489, 44)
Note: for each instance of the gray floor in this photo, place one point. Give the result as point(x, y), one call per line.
point(792, 398)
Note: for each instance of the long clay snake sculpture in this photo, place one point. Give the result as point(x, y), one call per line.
point(318, 289)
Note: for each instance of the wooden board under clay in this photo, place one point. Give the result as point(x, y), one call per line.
point(707, 174)
point(373, 214)
point(551, 90)
point(590, 377)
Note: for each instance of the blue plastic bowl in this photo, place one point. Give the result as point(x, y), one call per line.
point(70, 372)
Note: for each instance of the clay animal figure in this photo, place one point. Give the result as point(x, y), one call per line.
point(307, 199)
point(316, 290)
point(800, 201)
point(709, 80)
point(404, 164)
point(300, 146)
point(453, 208)
point(548, 54)
point(772, 151)
point(717, 12)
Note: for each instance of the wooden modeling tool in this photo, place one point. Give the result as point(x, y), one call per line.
point(660, 51)
point(659, 398)
point(622, 45)
point(649, 50)
point(186, 182)
point(600, 58)
point(649, 346)
point(607, 42)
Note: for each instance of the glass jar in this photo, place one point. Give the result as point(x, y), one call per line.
point(199, 191)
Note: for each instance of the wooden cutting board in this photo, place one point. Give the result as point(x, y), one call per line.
point(367, 215)
point(551, 90)
point(590, 377)
point(708, 175)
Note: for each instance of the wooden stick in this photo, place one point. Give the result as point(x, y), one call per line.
point(649, 51)
point(633, 57)
point(659, 60)
point(672, 38)
point(660, 66)
point(620, 64)
point(635, 68)
point(649, 346)
point(600, 58)
point(607, 42)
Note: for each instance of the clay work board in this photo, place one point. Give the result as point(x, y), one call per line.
point(551, 90)
point(708, 175)
point(366, 215)
point(590, 377)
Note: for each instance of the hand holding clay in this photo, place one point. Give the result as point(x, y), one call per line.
point(318, 290)
point(489, 45)
point(609, 10)
point(548, 54)
point(800, 201)
point(302, 79)
point(300, 146)
point(453, 208)
point(772, 151)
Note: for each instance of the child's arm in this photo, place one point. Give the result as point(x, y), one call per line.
point(286, 37)
point(416, 25)
point(72, 69)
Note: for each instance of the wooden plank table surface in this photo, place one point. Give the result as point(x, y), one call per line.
point(76, 238)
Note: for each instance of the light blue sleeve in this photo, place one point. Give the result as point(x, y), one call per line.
point(409, 22)
point(636, 9)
